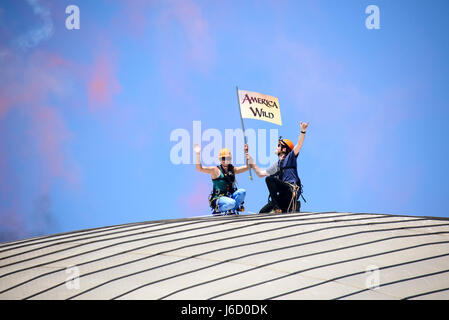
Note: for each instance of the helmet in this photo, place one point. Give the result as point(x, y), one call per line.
point(224, 153)
point(286, 143)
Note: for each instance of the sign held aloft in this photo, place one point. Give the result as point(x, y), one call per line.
point(254, 105)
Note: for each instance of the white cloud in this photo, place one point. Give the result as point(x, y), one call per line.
point(40, 33)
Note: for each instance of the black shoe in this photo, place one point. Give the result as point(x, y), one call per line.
point(267, 208)
point(241, 208)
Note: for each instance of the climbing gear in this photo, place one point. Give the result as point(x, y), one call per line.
point(224, 185)
point(295, 204)
point(225, 182)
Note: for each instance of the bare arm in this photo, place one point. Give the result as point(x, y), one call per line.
point(260, 172)
point(199, 166)
point(241, 169)
point(298, 146)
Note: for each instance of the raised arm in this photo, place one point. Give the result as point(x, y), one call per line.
point(298, 146)
point(199, 166)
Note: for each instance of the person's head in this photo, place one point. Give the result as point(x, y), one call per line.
point(225, 157)
point(284, 146)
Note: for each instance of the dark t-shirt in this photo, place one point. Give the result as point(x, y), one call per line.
point(289, 166)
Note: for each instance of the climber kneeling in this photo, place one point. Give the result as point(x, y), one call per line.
point(282, 178)
point(225, 196)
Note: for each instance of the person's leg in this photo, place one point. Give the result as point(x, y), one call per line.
point(225, 204)
point(239, 197)
point(285, 195)
point(280, 192)
point(274, 186)
point(267, 208)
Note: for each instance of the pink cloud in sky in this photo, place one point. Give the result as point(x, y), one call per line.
point(4, 104)
point(12, 224)
point(194, 202)
point(191, 18)
point(38, 139)
point(122, 121)
point(103, 84)
point(179, 37)
point(186, 17)
point(8, 183)
point(134, 16)
point(185, 46)
point(314, 81)
point(51, 135)
point(30, 80)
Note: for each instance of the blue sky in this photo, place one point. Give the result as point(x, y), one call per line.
point(86, 115)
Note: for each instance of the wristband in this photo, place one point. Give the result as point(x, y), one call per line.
point(303, 132)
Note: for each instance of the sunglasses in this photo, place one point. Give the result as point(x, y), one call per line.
point(281, 145)
point(226, 158)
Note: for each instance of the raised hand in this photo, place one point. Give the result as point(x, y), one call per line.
point(196, 148)
point(304, 125)
point(249, 159)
